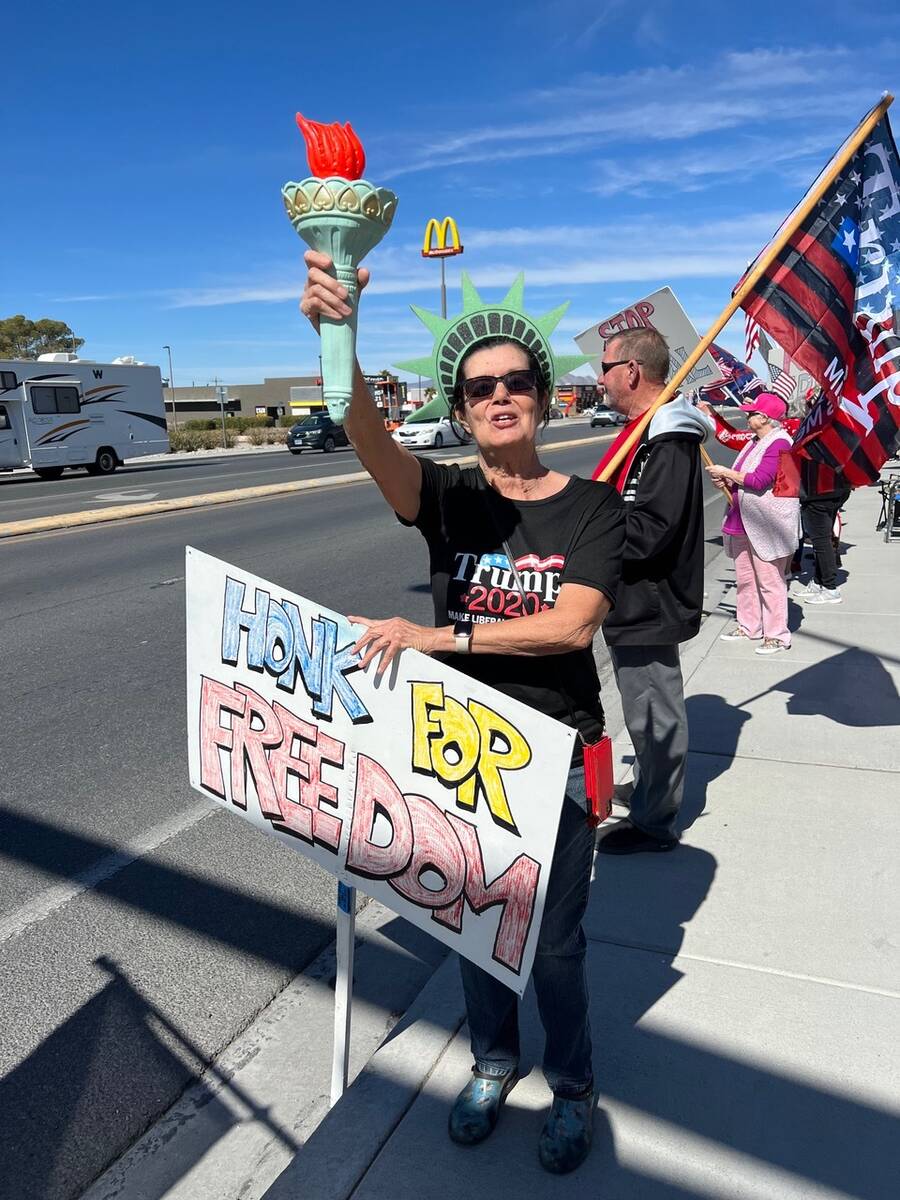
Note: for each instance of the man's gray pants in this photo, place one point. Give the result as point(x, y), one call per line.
point(652, 690)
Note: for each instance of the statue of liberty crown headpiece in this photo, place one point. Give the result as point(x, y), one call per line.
point(453, 336)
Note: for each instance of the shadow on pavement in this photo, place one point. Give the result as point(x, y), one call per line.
point(95, 1061)
point(90, 1088)
point(726, 1121)
point(269, 932)
point(821, 690)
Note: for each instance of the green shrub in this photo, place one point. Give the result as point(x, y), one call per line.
point(257, 437)
point(288, 421)
point(199, 423)
point(212, 439)
point(185, 439)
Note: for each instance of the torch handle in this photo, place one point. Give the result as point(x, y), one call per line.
point(339, 350)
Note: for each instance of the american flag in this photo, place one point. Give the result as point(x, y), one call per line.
point(782, 383)
point(737, 381)
point(828, 299)
point(751, 336)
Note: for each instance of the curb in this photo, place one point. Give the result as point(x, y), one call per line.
point(122, 512)
point(335, 1159)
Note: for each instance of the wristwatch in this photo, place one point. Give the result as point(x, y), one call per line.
point(462, 637)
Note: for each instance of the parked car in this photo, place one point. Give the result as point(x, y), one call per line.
point(316, 432)
point(606, 416)
point(419, 434)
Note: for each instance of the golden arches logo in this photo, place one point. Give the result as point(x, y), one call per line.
point(437, 236)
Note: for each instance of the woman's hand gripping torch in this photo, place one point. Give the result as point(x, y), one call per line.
point(340, 215)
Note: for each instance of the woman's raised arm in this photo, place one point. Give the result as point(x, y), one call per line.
point(396, 471)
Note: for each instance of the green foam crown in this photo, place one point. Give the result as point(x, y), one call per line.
point(454, 335)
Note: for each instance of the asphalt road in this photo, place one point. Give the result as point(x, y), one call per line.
point(23, 496)
point(142, 928)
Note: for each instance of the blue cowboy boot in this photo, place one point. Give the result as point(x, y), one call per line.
point(565, 1140)
point(477, 1107)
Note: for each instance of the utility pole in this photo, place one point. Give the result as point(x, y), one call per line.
point(172, 387)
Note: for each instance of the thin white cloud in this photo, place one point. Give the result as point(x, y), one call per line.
point(695, 169)
point(753, 90)
point(89, 299)
point(625, 252)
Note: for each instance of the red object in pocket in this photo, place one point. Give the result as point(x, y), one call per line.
point(787, 478)
point(598, 780)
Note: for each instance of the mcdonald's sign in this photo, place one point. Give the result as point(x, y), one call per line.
point(437, 236)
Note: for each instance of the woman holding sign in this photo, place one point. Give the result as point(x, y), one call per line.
point(524, 564)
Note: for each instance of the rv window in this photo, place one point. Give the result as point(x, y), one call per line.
point(43, 400)
point(4, 419)
point(8, 380)
point(67, 400)
point(47, 400)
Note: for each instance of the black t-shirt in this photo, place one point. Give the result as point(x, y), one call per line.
point(575, 536)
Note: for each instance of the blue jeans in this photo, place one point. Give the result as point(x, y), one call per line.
point(558, 975)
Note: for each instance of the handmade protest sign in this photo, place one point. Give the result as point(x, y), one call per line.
point(660, 311)
point(428, 790)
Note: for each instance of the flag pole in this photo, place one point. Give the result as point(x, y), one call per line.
point(759, 268)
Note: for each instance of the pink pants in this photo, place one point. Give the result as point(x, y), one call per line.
point(762, 598)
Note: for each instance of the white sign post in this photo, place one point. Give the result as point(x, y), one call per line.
point(660, 311)
point(345, 940)
point(430, 791)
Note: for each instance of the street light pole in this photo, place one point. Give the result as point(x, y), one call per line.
point(172, 387)
point(222, 393)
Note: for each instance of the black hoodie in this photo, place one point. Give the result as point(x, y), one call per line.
point(660, 595)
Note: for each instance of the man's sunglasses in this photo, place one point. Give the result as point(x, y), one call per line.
point(620, 362)
point(482, 387)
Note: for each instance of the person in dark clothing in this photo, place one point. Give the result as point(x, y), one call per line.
point(659, 601)
point(819, 506)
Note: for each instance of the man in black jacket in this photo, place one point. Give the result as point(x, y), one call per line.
point(658, 603)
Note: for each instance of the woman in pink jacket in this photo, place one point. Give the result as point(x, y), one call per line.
point(761, 530)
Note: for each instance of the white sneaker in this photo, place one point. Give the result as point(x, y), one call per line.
point(771, 646)
point(807, 593)
point(735, 635)
point(827, 596)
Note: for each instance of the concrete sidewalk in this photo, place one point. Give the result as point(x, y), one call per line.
point(745, 988)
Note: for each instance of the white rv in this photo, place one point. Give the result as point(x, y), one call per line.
point(60, 411)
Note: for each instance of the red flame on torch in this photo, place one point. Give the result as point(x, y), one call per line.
point(332, 149)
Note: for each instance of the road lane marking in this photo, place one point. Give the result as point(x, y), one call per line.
point(60, 894)
point(132, 494)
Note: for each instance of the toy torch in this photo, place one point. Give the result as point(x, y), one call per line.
point(337, 212)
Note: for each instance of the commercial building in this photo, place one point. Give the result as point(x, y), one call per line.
point(292, 395)
point(575, 393)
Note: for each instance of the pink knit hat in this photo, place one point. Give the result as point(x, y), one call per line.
point(768, 404)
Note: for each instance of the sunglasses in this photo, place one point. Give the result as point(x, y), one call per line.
point(482, 387)
point(620, 362)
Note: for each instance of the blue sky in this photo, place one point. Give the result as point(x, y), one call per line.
point(606, 149)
